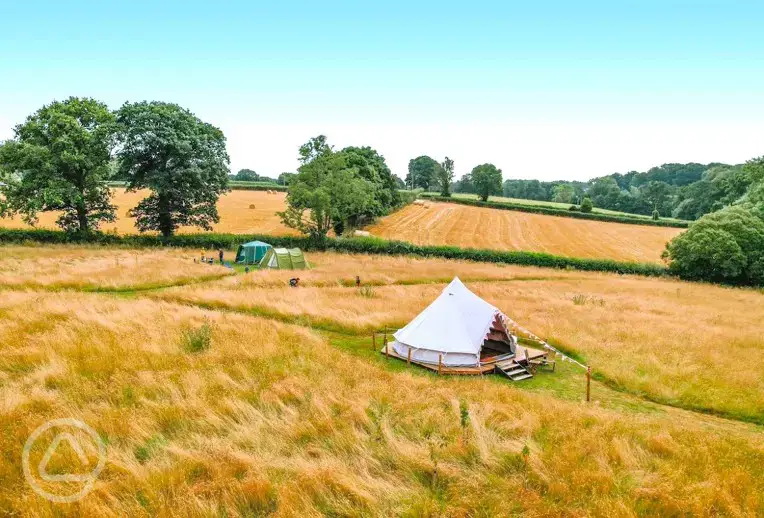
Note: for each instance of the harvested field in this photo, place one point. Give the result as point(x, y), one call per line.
point(478, 227)
point(270, 418)
point(236, 216)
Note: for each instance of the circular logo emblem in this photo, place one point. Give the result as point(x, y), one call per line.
point(64, 487)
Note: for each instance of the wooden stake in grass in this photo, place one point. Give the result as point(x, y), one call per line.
point(374, 340)
point(588, 382)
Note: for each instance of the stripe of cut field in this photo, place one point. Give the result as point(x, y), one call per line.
point(479, 227)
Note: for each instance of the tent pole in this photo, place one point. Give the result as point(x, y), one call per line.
point(588, 382)
point(409, 358)
point(440, 362)
point(374, 340)
point(387, 353)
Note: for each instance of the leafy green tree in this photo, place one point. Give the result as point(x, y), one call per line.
point(423, 173)
point(246, 175)
point(586, 204)
point(182, 160)
point(314, 148)
point(724, 246)
point(563, 193)
point(445, 176)
point(58, 160)
point(285, 178)
point(657, 195)
point(487, 180)
point(371, 166)
point(465, 184)
point(325, 194)
point(754, 170)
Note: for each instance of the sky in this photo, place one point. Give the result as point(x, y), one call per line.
point(544, 89)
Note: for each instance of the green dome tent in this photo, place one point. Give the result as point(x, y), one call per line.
point(252, 252)
point(284, 259)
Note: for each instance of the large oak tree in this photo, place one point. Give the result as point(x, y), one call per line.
point(182, 160)
point(487, 180)
point(328, 192)
point(58, 160)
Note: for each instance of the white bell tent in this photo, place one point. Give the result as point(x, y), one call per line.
point(457, 329)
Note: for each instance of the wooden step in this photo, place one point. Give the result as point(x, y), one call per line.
point(513, 370)
point(522, 377)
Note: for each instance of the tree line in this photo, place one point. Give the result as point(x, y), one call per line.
point(726, 245)
point(683, 191)
point(61, 156)
point(427, 174)
point(248, 175)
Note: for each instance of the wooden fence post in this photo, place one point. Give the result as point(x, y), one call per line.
point(588, 382)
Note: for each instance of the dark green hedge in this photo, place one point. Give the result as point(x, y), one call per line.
point(539, 209)
point(235, 186)
point(256, 186)
point(348, 245)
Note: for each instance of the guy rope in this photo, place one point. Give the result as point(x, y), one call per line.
point(556, 351)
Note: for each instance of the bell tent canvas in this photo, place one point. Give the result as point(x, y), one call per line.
point(284, 259)
point(457, 329)
point(252, 252)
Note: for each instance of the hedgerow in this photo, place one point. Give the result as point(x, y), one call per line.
point(565, 213)
point(348, 245)
point(233, 184)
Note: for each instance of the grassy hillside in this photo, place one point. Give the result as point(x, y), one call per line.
point(280, 414)
point(479, 227)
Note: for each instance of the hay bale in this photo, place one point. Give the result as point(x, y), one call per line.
point(251, 205)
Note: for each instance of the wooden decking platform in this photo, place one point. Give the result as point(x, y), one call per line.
point(485, 367)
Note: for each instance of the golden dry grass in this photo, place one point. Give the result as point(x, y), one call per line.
point(691, 345)
point(272, 419)
point(478, 227)
point(340, 269)
point(84, 267)
point(236, 216)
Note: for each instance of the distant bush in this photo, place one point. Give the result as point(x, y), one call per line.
point(573, 208)
point(656, 215)
point(365, 245)
point(725, 246)
point(565, 213)
point(587, 205)
point(367, 292)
